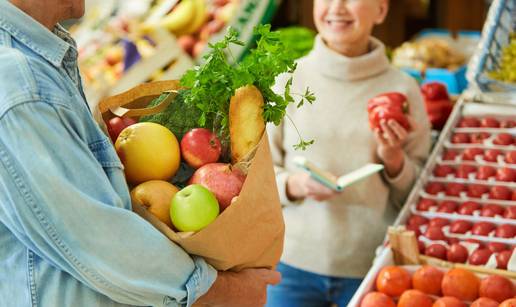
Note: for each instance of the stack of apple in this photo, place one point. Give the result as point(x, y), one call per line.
point(430, 286)
point(437, 102)
point(151, 155)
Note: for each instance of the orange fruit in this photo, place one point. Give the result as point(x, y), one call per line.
point(393, 280)
point(461, 284)
point(496, 287)
point(414, 298)
point(508, 303)
point(377, 299)
point(449, 301)
point(484, 302)
point(428, 280)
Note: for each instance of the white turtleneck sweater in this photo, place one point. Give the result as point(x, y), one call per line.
point(339, 237)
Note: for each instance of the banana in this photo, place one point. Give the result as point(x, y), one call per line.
point(201, 14)
point(180, 18)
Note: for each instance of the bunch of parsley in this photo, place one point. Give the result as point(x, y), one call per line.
point(214, 83)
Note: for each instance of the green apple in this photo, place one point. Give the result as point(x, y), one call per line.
point(193, 208)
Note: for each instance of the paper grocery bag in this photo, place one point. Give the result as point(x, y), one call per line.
point(247, 234)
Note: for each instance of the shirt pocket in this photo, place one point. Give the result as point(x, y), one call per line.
point(106, 155)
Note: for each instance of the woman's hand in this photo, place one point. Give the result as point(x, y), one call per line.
point(301, 185)
point(390, 146)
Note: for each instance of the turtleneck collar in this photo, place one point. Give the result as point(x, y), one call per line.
point(335, 65)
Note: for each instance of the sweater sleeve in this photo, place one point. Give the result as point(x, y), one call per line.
point(416, 149)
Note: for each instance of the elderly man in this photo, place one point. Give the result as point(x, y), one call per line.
point(67, 233)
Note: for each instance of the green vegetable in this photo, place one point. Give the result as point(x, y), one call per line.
point(179, 116)
point(299, 40)
point(214, 83)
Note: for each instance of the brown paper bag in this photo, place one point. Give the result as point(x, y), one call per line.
point(250, 232)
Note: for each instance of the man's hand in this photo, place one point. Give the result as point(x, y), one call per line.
point(301, 185)
point(247, 288)
point(390, 146)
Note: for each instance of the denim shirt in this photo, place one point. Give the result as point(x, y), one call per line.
point(68, 236)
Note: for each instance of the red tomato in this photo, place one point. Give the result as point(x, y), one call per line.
point(510, 213)
point(435, 233)
point(421, 246)
point(415, 229)
point(457, 253)
point(508, 123)
point(491, 155)
point(510, 157)
point(434, 188)
point(482, 228)
point(438, 112)
point(464, 170)
point(469, 154)
point(500, 192)
point(496, 247)
point(477, 190)
point(417, 220)
point(485, 172)
point(469, 122)
point(502, 259)
point(489, 122)
point(478, 138)
point(447, 206)
point(443, 170)
point(117, 124)
point(468, 208)
point(513, 195)
point(425, 204)
point(506, 231)
point(454, 189)
point(480, 256)
point(491, 210)
point(438, 222)
point(450, 155)
point(436, 250)
point(393, 99)
point(460, 138)
point(503, 139)
point(387, 113)
point(434, 91)
point(460, 226)
point(506, 174)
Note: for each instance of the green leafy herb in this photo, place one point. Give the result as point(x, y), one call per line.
point(214, 83)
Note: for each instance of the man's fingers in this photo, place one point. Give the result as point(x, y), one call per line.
point(271, 277)
point(379, 137)
point(400, 132)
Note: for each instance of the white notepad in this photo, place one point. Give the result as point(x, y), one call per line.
point(337, 184)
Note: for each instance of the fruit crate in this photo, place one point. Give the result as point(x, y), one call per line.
point(499, 25)
point(459, 187)
point(387, 258)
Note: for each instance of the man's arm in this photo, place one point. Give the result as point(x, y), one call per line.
point(56, 198)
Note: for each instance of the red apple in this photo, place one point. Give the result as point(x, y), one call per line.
point(489, 122)
point(469, 122)
point(464, 170)
point(438, 222)
point(468, 208)
point(480, 256)
point(443, 170)
point(454, 189)
point(510, 213)
point(222, 179)
point(500, 192)
point(510, 157)
point(187, 43)
point(457, 253)
point(450, 155)
point(479, 138)
point(482, 228)
point(117, 124)
point(485, 172)
point(506, 174)
point(477, 190)
point(417, 220)
point(460, 226)
point(425, 204)
point(491, 210)
point(447, 206)
point(502, 259)
point(469, 154)
point(506, 231)
point(460, 138)
point(503, 139)
point(491, 155)
point(496, 247)
point(199, 147)
point(434, 188)
point(435, 233)
point(434, 91)
point(436, 250)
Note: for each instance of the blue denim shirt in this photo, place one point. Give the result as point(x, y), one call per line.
point(67, 233)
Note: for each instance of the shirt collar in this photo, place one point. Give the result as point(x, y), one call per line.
point(335, 65)
point(52, 46)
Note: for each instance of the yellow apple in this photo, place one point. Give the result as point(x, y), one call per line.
point(155, 196)
point(149, 151)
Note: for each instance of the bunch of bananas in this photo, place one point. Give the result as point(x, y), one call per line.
point(186, 18)
point(507, 68)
